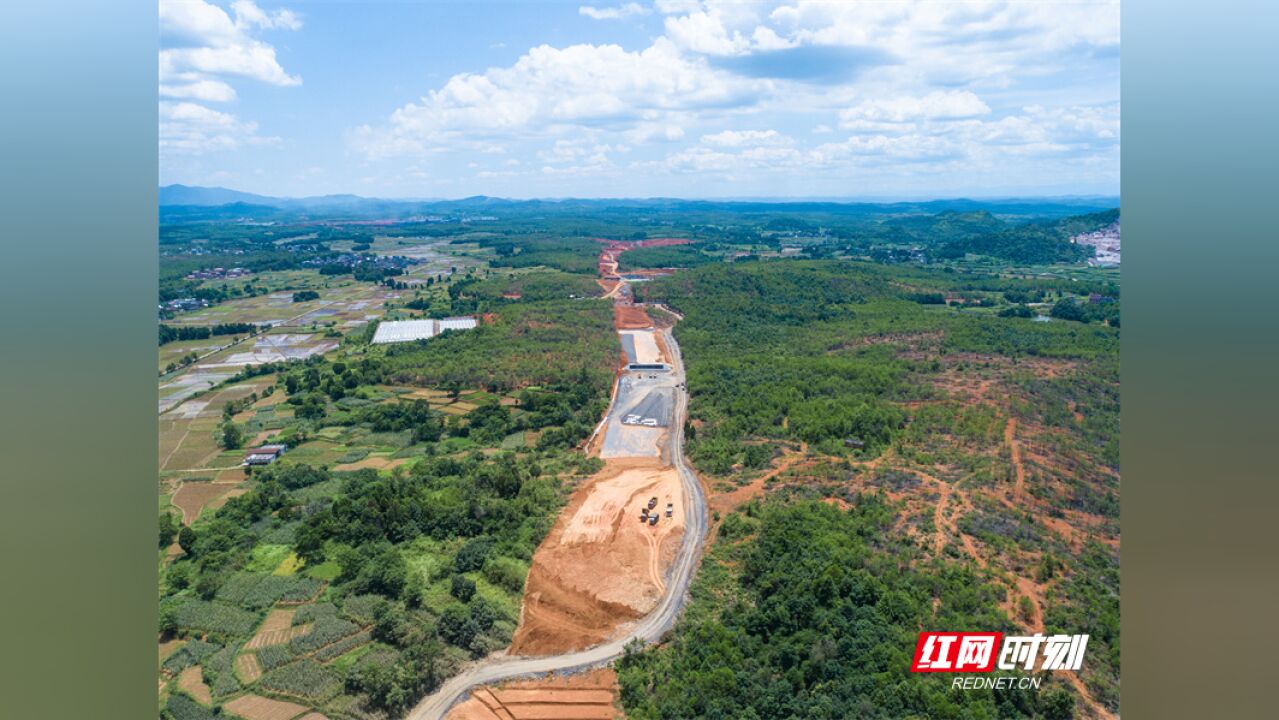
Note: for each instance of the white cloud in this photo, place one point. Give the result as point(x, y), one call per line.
point(206, 90)
point(188, 128)
point(933, 106)
point(741, 138)
point(910, 87)
point(248, 14)
point(200, 38)
point(255, 61)
point(202, 48)
point(613, 13)
point(676, 7)
point(549, 89)
point(646, 132)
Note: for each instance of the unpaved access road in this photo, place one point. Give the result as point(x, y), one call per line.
point(649, 629)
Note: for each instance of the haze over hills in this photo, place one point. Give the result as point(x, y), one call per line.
point(181, 203)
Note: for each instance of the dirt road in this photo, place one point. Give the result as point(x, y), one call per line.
point(495, 669)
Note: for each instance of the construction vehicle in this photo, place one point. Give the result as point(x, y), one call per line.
point(652, 503)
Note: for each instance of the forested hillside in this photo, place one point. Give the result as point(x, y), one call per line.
point(920, 458)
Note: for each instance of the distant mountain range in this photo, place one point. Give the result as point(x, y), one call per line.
point(186, 203)
point(210, 196)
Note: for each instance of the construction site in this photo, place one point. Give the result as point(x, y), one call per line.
point(602, 573)
point(602, 567)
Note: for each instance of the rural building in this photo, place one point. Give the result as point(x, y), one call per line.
point(264, 455)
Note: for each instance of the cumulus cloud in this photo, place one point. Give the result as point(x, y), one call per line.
point(204, 48)
point(810, 89)
point(191, 128)
point(613, 13)
point(931, 41)
point(197, 89)
point(202, 39)
point(895, 109)
point(248, 14)
point(550, 88)
point(740, 138)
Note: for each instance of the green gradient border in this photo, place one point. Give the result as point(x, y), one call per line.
point(1200, 496)
point(77, 285)
point(77, 292)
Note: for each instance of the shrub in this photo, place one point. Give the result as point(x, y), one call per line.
point(462, 588)
point(305, 678)
point(256, 592)
point(342, 647)
point(472, 555)
point(181, 707)
point(505, 573)
point(187, 655)
point(214, 617)
point(313, 612)
point(274, 656)
point(325, 631)
point(361, 608)
point(218, 669)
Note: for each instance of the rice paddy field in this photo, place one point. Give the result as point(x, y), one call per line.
point(342, 303)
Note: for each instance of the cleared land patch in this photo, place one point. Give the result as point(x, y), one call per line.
point(584, 696)
point(192, 497)
point(256, 707)
point(601, 566)
point(191, 681)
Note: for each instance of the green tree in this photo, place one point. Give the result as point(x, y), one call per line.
point(168, 528)
point(232, 436)
point(462, 588)
point(187, 540)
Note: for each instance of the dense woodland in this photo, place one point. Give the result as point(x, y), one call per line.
point(787, 350)
point(804, 610)
point(824, 352)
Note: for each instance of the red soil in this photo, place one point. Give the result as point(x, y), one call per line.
point(600, 567)
point(588, 696)
point(630, 317)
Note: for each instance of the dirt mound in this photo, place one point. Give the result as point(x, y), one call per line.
point(588, 696)
point(600, 566)
point(662, 242)
point(630, 317)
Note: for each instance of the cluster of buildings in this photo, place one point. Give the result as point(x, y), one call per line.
point(1105, 243)
point(219, 274)
point(351, 260)
point(183, 305)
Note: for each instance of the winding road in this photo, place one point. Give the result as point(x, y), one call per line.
point(648, 629)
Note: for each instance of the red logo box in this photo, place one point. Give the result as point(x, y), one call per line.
point(956, 652)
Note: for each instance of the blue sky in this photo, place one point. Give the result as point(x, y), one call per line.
point(673, 98)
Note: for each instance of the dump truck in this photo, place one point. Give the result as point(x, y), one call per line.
point(652, 519)
point(652, 503)
point(670, 509)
